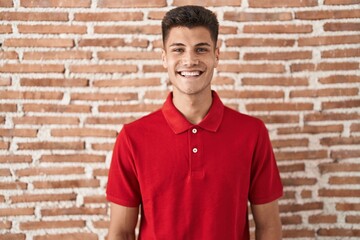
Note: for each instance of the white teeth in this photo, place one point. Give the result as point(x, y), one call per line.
point(190, 74)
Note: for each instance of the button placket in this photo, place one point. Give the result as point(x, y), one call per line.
point(195, 150)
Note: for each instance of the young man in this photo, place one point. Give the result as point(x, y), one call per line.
point(194, 164)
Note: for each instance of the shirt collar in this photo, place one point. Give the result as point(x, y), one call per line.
point(178, 123)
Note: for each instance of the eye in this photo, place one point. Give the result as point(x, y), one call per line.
point(177, 50)
point(201, 50)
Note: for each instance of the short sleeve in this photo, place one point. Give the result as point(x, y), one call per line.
point(265, 185)
point(123, 186)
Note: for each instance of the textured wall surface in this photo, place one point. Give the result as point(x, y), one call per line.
point(72, 72)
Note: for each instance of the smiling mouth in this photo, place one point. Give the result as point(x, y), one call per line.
point(190, 73)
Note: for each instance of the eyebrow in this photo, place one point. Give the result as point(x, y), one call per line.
point(197, 45)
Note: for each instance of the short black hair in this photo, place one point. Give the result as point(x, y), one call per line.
point(190, 16)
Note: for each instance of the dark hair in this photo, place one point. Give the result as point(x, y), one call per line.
point(190, 16)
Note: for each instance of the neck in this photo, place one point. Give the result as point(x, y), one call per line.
point(193, 107)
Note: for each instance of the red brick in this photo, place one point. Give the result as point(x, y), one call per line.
point(57, 108)
point(100, 172)
point(339, 167)
point(131, 4)
point(328, 40)
point(298, 181)
point(74, 211)
point(279, 106)
point(52, 29)
point(331, 141)
point(324, 92)
point(108, 120)
point(352, 219)
point(5, 29)
point(12, 132)
point(13, 236)
point(153, 69)
point(16, 211)
point(89, 158)
point(102, 146)
point(15, 159)
point(282, 143)
point(54, 82)
point(5, 81)
point(52, 224)
point(259, 42)
point(113, 55)
point(104, 42)
point(298, 233)
point(277, 55)
point(232, 94)
point(34, 16)
point(341, 2)
point(291, 220)
point(339, 193)
point(278, 118)
point(311, 129)
point(342, 232)
point(51, 145)
point(223, 81)
point(316, 219)
point(144, 29)
point(133, 82)
point(301, 155)
point(25, 198)
point(79, 183)
point(129, 108)
point(345, 154)
point(83, 132)
point(103, 68)
point(348, 206)
point(331, 116)
point(6, 3)
point(306, 194)
point(108, 16)
point(8, 107)
point(275, 81)
point(39, 42)
point(31, 95)
point(327, 14)
point(46, 120)
point(340, 104)
point(101, 224)
point(355, 127)
point(282, 3)
point(104, 96)
point(5, 225)
point(5, 172)
point(67, 236)
point(95, 199)
point(9, 55)
point(278, 29)
point(301, 207)
point(156, 95)
point(348, 26)
point(64, 55)
point(325, 66)
point(207, 2)
point(32, 68)
point(341, 53)
point(55, 3)
point(251, 68)
point(4, 145)
point(344, 180)
point(49, 171)
point(257, 16)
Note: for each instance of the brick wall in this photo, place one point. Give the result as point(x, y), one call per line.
point(72, 72)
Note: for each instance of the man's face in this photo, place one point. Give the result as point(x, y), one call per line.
point(190, 56)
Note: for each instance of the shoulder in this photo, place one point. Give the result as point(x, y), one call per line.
point(145, 123)
point(236, 118)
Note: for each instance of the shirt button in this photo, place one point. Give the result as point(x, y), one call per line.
point(195, 150)
point(194, 130)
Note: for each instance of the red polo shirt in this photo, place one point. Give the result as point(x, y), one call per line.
point(193, 181)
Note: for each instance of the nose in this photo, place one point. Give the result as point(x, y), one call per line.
point(190, 59)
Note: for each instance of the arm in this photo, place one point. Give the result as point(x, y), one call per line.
point(123, 222)
point(267, 221)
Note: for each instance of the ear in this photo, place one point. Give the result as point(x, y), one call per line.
point(163, 57)
point(217, 55)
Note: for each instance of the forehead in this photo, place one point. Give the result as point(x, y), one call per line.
point(188, 36)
